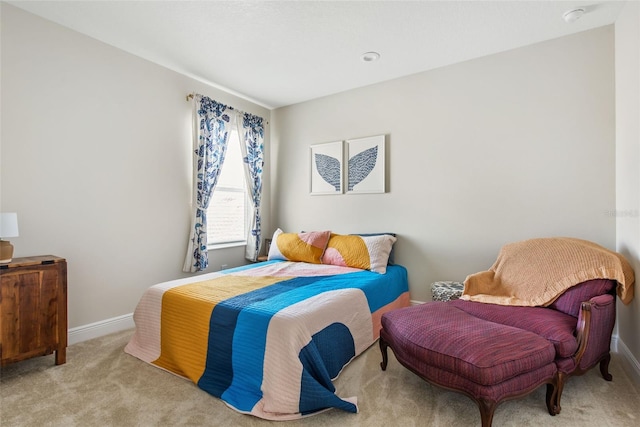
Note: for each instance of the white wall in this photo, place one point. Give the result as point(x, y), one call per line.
point(502, 148)
point(627, 46)
point(95, 159)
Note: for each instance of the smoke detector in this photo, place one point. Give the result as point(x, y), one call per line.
point(573, 15)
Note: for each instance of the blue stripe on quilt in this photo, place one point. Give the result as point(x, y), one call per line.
point(219, 373)
point(396, 285)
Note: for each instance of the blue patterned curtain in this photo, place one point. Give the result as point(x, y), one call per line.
point(251, 131)
point(212, 122)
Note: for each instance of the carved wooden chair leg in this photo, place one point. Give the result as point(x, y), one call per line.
point(383, 348)
point(487, 409)
point(552, 394)
point(562, 378)
point(604, 367)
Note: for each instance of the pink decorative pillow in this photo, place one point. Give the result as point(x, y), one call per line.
point(302, 247)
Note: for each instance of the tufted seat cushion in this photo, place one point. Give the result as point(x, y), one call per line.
point(555, 326)
point(477, 350)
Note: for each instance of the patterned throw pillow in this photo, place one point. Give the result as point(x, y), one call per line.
point(301, 247)
point(365, 252)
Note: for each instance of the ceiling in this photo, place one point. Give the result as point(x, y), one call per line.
point(277, 53)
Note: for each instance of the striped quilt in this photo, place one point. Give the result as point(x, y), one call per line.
point(269, 338)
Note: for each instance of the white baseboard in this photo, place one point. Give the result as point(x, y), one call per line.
point(99, 329)
point(631, 364)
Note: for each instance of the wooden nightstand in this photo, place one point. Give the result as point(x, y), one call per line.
point(33, 308)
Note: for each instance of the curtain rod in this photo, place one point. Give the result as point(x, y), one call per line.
point(191, 95)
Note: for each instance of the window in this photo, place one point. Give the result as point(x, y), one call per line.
point(227, 213)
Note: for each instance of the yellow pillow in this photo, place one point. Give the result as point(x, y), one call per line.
point(365, 252)
point(302, 247)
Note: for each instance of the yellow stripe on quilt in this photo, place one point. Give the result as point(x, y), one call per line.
point(186, 312)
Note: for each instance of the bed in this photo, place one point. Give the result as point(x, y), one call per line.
point(269, 338)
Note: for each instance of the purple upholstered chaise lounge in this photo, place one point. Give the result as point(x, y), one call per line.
point(494, 352)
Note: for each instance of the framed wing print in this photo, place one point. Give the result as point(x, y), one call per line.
point(366, 165)
point(326, 168)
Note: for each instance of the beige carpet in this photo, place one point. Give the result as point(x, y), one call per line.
point(100, 385)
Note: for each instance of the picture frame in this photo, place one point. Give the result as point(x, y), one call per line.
point(366, 169)
point(327, 175)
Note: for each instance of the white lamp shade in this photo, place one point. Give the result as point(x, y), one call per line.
point(8, 224)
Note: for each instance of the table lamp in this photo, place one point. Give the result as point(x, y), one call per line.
point(8, 228)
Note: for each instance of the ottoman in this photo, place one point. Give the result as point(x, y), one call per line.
point(486, 361)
